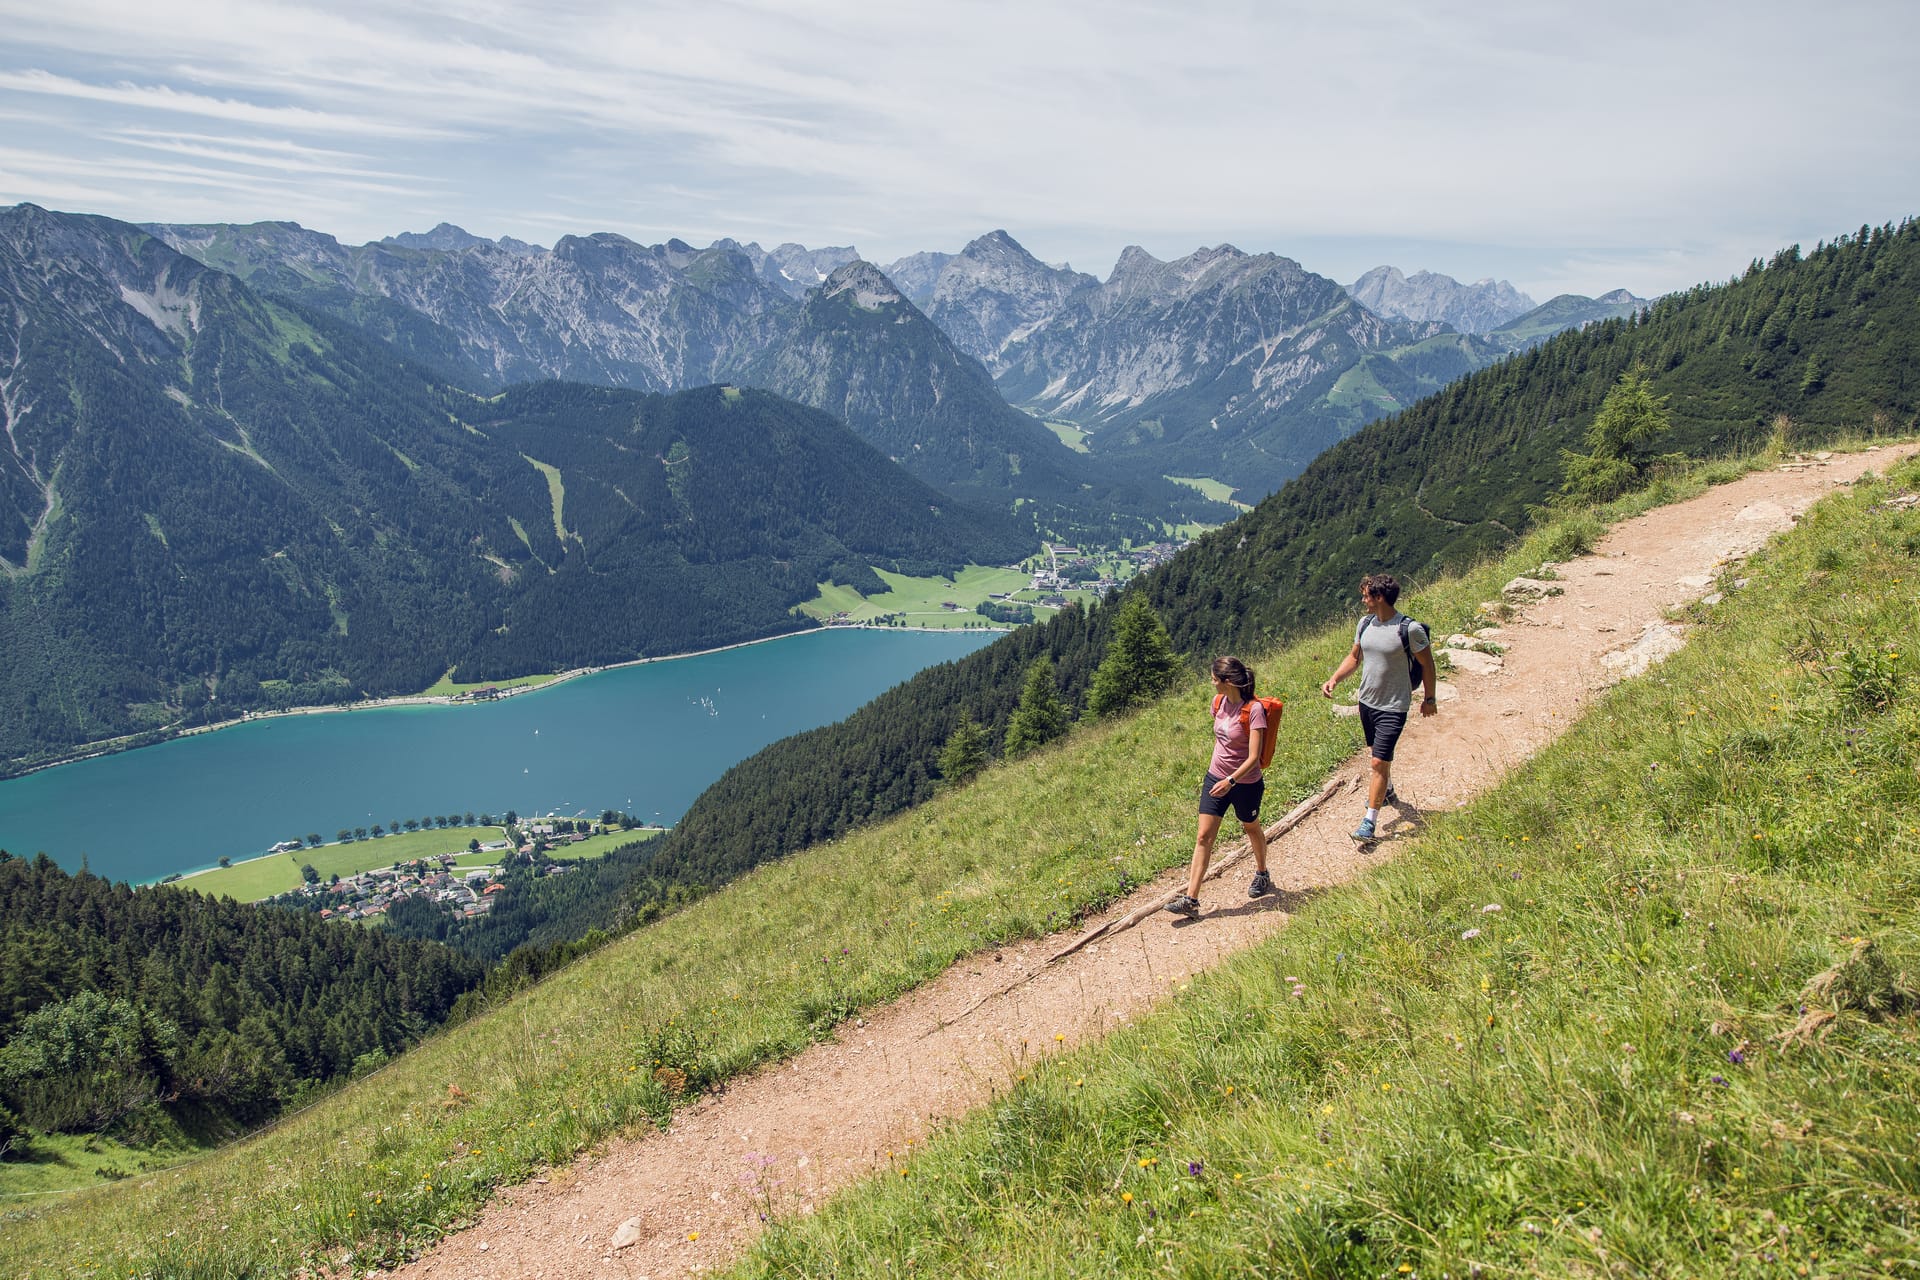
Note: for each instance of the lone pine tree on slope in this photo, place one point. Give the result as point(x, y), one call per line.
point(1041, 716)
point(1139, 664)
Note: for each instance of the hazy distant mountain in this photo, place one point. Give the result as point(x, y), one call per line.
point(213, 500)
point(448, 237)
point(1567, 311)
point(992, 292)
point(915, 274)
point(793, 268)
point(1426, 295)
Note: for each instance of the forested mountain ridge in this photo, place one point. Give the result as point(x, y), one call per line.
point(1802, 345)
point(137, 1010)
point(213, 501)
point(605, 310)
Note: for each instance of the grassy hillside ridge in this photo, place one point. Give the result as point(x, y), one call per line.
point(395, 1159)
point(1650, 1008)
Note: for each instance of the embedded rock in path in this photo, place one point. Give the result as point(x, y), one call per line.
point(1658, 641)
point(1530, 589)
point(1473, 662)
point(627, 1233)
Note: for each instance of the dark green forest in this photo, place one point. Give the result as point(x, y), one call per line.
point(1809, 345)
point(141, 1012)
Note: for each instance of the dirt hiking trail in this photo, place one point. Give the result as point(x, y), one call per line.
point(673, 1203)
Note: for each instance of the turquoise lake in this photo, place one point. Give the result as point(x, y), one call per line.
point(644, 739)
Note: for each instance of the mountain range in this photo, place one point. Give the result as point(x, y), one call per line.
point(214, 500)
point(1226, 365)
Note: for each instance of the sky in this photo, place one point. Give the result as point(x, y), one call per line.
point(1565, 148)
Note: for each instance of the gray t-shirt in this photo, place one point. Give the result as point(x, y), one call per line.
point(1385, 683)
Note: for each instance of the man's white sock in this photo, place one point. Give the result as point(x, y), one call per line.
point(1372, 814)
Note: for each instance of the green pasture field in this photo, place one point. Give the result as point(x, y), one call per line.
point(919, 599)
point(445, 687)
point(1218, 490)
point(1071, 434)
point(1372, 1122)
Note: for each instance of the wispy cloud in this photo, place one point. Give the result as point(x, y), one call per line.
point(1633, 137)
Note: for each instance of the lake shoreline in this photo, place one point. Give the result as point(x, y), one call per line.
point(95, 750)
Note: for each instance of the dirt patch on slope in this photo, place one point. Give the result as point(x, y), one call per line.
point(692, 1198)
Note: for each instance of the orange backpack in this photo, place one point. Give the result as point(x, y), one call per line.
point(1275, 709)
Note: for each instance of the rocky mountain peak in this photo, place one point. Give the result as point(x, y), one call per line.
point(867, 283)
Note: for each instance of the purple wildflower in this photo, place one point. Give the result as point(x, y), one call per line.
point(1736, 1057)
point(1194, 1167)
point(1719, 1080)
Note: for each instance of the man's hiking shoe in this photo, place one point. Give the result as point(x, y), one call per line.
point(1364, 832)
point(1184, 906)
point(1262, 884)
point(1393, 798)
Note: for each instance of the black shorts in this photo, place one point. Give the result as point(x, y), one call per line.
point(1383, 729)
point(1244, 797)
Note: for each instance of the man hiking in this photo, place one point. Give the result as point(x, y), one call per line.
point(1388, 648)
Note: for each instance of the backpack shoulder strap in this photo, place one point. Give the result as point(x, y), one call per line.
point(1406, 645)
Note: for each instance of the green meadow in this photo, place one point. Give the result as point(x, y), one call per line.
point(1609, 1073)
point(445, 687)
point(1218, 490)
point(921, 601)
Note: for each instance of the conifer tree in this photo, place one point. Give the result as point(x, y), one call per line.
point(1139, 664)
point(1041, 716)
point(1629, 419)
point(965, 753)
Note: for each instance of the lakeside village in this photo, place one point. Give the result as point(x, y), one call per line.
point(367, 895)
point(1058, 569)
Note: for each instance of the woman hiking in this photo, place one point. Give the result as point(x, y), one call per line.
point(1233, 780)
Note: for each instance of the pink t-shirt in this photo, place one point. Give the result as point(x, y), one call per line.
point(1231, 737)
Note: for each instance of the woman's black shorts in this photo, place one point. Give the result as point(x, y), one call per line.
point(1245, 799)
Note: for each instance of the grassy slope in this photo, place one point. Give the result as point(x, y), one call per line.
point(398, 1157)
point(1603, 1080)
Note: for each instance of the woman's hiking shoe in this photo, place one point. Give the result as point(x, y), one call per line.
point(1364, 832)
point(1184, 906)
point(1262, 884)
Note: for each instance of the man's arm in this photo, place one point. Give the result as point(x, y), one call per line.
point(1429, 674)
point(1348, 665)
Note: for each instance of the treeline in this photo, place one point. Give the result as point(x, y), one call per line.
point(143, 1011)
point(1802, 344)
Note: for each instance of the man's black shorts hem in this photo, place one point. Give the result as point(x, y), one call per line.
point(1382, 730)
point(1244, 799)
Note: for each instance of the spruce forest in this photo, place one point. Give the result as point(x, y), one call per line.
point(167, 1017)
